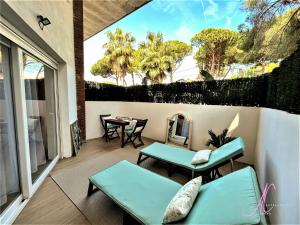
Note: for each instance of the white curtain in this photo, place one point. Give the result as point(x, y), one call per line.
point(9, 177)
point(35, 118)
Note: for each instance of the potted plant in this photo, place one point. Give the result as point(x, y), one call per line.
point(219, 140)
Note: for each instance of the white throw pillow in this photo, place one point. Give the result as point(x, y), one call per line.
point(201, 156)
point(183, 201)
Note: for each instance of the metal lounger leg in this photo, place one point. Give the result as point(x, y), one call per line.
point(91, 189)
point(139, 159)
point(231, 163)
point(193, 174)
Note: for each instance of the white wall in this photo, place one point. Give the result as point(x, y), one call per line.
point(57, 40)
point(204, 117)
point(277, 161)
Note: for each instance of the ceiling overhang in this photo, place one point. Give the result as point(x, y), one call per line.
point(99, 14)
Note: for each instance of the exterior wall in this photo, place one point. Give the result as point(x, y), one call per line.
point(277, 162)
point(204, 117)
point(57, 40)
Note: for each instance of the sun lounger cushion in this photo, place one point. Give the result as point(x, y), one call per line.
point(183, 157)
point(141, 193)
point(231, 199)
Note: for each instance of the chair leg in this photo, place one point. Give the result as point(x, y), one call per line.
point(132, 141)
point(140, 140)
point(116, 129)
point(127, 139)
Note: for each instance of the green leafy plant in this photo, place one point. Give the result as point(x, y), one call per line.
point(218, 140)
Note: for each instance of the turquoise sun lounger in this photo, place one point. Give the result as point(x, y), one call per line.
point(144, 196)
point(180, 157)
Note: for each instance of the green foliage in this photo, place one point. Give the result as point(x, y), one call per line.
point(256, 71)
point(118, 56)
point(177, 50)
point(156, 62)
point(278, 90)
point(153, 60)
point(216, 49)
point(218, 140)
point(274, 33)
point(204, 75)
point(102, 68)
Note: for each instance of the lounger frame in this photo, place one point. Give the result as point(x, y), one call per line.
point(210, 174)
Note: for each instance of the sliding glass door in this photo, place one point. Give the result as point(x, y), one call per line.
point(9, 168)
point(40, 107)
point(29, 140)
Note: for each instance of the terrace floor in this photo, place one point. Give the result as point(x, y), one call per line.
point(61, 199)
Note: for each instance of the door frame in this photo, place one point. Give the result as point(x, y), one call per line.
point(20, 45)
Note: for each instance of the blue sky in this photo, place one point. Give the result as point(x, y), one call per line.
point(176, 19)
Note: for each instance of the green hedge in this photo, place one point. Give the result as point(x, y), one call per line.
point(278, 90)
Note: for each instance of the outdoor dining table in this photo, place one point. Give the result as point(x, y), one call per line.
point(119, 122)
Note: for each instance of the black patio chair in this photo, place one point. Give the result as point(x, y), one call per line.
point(136, 133)
point(111, 130)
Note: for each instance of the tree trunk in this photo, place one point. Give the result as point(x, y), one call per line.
point(132, 76)
point(212, 66)
point(171, 77)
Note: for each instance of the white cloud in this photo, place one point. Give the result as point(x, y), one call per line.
point(184, 33)
point(228, 22)
point(212, 9)
point(175, 8)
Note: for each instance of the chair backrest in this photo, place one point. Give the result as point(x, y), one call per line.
point(140, 123)
point(102, 119)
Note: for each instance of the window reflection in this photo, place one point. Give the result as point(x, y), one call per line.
point(40, 105)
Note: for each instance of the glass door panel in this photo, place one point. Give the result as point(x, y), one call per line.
point(41, 119)
point(9, 173)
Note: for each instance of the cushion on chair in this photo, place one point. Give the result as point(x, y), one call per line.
point(131, 125)
point(111, 126)
point(183, 201)
point(201, 156)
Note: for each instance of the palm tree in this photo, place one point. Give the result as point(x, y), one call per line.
point(119, 52)
point(156, 63)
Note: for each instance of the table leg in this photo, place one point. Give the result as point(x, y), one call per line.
point(123, 134)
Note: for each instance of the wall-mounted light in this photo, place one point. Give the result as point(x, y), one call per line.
point(43, 21)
